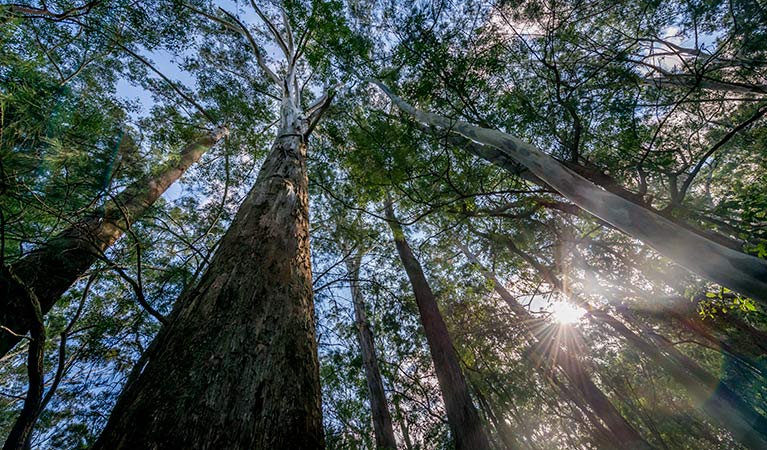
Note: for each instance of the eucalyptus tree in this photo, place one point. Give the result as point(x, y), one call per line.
point(382, 421)
point(80, 58)
point(465, 424)
point(243, 338)
point(743, 273)
point(571, 50)
point(48, 271)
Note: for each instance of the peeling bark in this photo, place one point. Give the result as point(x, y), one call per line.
point(51, 269)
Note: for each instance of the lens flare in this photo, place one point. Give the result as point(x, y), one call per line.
point(566, 313)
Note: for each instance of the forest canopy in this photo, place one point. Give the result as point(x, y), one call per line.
point(360, 224)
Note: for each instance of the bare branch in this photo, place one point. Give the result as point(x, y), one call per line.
point(288, 30)
point(275, 32)
point(259, 56)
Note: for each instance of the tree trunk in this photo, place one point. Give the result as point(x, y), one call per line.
point(402, 425)
point(462, 417)
point(740, 272)
point(20, 435)
point(382, 424)
point(237, 366)
point(571, 367)
point(51, 269)
point(712, 397)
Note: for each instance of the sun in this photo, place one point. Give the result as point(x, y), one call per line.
point(566, 313)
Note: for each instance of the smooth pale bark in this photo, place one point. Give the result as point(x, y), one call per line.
point(462, 416)
point(740, 272)
point(708, 84)
point(237, 366)
point(379, 408)
point(590, 172)
point(570, 366)
point(53, 267)
point(403, 425)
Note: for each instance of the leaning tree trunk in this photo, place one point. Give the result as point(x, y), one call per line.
point(382, 424)
point(570, 366)
point(462, 417)
point(51, 269)
point(738, 271)
point(237, 366)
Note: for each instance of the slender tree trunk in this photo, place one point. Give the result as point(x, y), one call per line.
point(740, 272)
point(237, 366)
point(462, 417)
point(403, 425)
point(572, 369)
point(600, 434)
point(382, 424)
point(51, 269)
point(712, 397)
point(21, 433)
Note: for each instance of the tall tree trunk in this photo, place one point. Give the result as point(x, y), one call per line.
point(462, 417)
point(570, 366)
point(740, 272)
point(237, 366)
point(382, 424)
point(51, 269)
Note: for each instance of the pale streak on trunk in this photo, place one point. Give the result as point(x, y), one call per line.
point(51, 269)
point(237, 366)
point(382, 423)
point(570, 366)
point(462, 416)
point(740, 272)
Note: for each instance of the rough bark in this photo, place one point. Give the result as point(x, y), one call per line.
point(53, 267)
point(237, 366)
point(740, 272)
point(382, 423)
point(571, 368)
point(462, 417)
